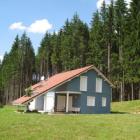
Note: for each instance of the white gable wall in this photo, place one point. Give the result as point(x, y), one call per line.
point(39, 104)
point(44, 102)
point(49, 101)
point(32, 105)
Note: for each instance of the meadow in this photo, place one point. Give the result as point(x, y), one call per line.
point(122, 124)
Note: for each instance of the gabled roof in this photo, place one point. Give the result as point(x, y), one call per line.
point(55, 81)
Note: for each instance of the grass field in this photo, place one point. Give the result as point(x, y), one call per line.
point(123, 124)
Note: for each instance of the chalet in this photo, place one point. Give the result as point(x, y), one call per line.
point(85, 90)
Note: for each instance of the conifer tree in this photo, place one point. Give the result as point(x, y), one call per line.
point(56, 51)
point(133, 49)
point(95, 43)
point(44, 56)
point(120, 28)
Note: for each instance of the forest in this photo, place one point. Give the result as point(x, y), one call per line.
point(111, 42)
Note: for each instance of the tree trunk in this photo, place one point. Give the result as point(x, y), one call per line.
point(129, 97)
point(109, 51)
point(121, 91)
point(132, 91)
point(139, 92)
point(120, 53)
point(123, 87)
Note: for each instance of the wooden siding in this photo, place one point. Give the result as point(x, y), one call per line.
point(81, 101)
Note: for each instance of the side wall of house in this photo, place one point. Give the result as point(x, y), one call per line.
point(39, 103)
point(81, 100)
point(91, 91)
point(44, 102)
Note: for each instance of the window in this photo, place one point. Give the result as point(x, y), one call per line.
point(90, 101)
point(103, 101)
point(98, 85)
point(83, 83)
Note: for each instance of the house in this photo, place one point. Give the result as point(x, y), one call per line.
point(85, 90)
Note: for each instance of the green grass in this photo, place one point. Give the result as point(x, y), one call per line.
point(127, 106)
point(116, 126)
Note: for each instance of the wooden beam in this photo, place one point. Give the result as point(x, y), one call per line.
point(70, 92)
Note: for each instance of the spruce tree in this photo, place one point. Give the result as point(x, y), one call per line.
point(121, 12)
point(95, 43)
point(44, 56)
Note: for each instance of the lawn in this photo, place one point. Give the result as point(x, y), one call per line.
point(121, 125)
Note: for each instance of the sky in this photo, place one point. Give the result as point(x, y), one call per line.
point(38, 16)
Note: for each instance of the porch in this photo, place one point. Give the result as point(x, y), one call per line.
point(67, 102)
point(57, 102)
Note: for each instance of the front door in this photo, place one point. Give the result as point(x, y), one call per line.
point(61, 102)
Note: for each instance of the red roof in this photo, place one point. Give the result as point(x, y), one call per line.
point(51, 83)
point(21, 100)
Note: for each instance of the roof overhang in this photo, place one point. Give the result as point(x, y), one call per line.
point(104, 77)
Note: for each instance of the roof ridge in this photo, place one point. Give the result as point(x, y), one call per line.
point(70, 71)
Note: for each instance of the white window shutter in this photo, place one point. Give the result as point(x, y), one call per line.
point(103, 101)
point(83, 83)
point(90, 101)
point(98, 85)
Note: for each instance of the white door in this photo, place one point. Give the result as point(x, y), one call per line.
point(50, 104)
point(49, 100)
point(61, 103)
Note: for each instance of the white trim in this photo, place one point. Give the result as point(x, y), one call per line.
point(65, 92)
point(103, 76)
point(67, 102)
point(19, 104)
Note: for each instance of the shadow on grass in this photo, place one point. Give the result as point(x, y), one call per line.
point(1, 104)
point(117, 112)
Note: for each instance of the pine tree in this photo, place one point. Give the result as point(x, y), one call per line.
point(95, 43)
point(44, 56)
point(74, 42)
point(104, 19)
point(17, 69)
point(112, 44)
point(56, 51)
point(120, 28)
point(133, 49)
point(66, 50)
point(27, 62)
